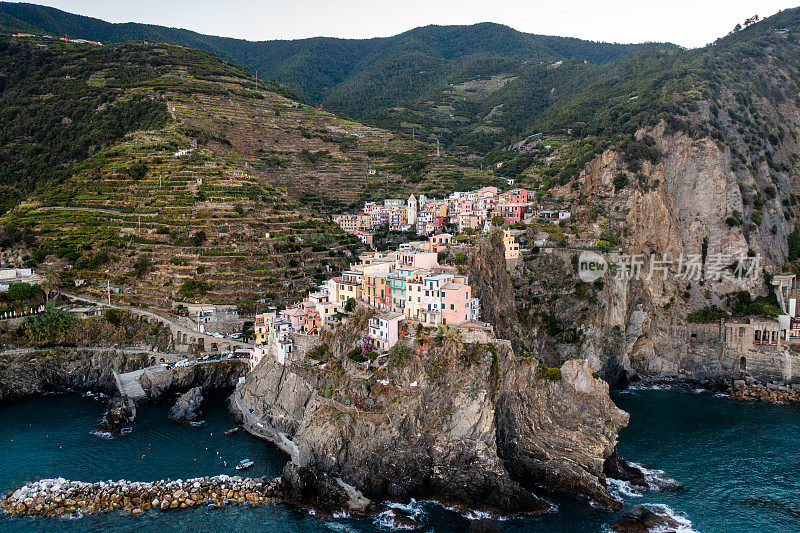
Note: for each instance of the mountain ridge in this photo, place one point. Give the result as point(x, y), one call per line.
point(328, 60)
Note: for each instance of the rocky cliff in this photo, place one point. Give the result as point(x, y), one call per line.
point(30, 374)
point(219, 376)
point(469, 424)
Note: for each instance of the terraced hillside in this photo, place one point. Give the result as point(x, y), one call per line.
point(236, 218)
point(315, 155)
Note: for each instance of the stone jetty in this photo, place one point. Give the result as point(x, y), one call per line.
point(56, 497)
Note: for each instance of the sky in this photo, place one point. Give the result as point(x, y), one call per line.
point(689, 23)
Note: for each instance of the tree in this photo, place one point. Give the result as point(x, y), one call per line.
point(199, 238)
point(142, 266)
point(248, 331)
point(498, 221)
point(350, 305)
point(138, 170)
point(620, 181)
point(194, 287)
point(48, 282)
point(22, 292)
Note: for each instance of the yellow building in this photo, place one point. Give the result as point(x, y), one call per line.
point(511, 245)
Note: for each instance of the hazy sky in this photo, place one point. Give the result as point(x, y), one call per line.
point(686, 22)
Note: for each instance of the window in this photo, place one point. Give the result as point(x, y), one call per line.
point(452, 307)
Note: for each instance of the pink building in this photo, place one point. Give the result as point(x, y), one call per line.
point(456, 301)
point(295, 316)
point(440, 242)
point(469, 220)
point(365, 237)
point(516, 196)
point(415, 259)
point(385, 329)
point(511, 213)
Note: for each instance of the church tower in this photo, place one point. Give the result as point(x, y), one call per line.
point(411, 210)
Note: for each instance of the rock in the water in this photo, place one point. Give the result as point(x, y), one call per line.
point(188, 408)
point(483, 525)
point(640, 519)
point(324, 493)
point(617, 468)
point(121, 413)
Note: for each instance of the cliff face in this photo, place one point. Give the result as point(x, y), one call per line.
point(468, 424)
point(697, 199)
point(492, 284)
point(210, 377)
point(57, 370)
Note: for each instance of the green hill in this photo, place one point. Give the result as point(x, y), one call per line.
point(411, 81)
point(89, 156)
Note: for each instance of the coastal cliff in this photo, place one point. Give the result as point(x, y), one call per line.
point(466, 423)
point(29, 374)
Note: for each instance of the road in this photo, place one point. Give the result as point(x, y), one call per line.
point(21, 351)
point(163, 320)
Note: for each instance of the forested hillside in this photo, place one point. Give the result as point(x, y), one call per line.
point(433, 81)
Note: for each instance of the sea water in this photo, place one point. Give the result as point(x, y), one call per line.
point(736, 463)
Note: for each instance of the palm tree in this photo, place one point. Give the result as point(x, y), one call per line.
point(49, 282)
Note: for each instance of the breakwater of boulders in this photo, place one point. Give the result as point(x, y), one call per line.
point(57, 497)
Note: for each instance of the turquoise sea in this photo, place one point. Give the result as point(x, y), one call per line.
point(737, 464)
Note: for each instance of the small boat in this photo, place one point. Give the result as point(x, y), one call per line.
point(244, 464)
point(232, 431)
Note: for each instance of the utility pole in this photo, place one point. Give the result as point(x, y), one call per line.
point(140, 224)
point(437, 146)
point(108, 285)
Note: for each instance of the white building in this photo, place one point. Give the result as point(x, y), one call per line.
point(10, 276)
point(411, 210)
point(384, 328)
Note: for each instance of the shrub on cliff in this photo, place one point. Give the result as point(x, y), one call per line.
point(763, 306)
point(399, 354)
point(551, 373)
point(707, 314)
point(49, 324)
point(194, 287)
point(794, 244)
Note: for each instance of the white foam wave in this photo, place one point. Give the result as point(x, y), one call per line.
point(622, 489)
point(386, 520)
point(656, 479)
point(102, 434)
point(684, 524)
point(640, 385)
point(412, 508)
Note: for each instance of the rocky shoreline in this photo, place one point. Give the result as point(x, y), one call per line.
point(745, 389)
point(771, 392)
point(57, 497)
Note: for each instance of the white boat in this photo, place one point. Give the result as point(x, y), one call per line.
point(244, 464)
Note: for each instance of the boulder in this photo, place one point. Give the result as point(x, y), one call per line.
point(617, 468)
point(188, 408)
point(121, 413)
point(640, 519)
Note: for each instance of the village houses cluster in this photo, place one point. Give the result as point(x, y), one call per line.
point(406, 285)
point(463, 210)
